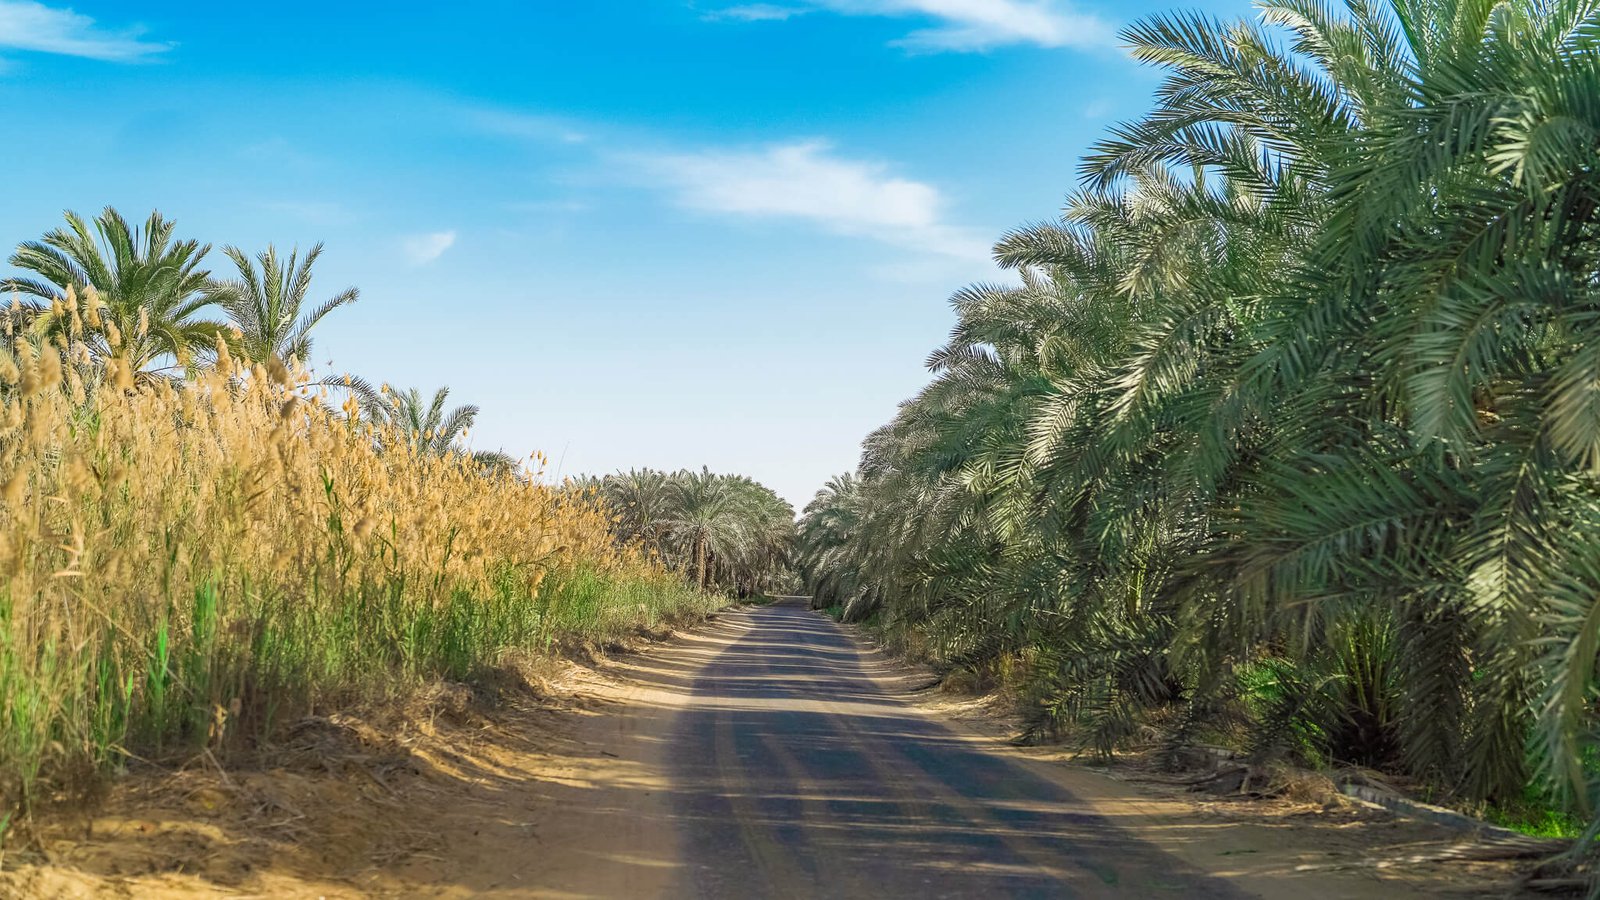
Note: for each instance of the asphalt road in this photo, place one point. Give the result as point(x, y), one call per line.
point(797, 773)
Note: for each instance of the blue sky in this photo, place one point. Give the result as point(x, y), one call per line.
point(635, 232)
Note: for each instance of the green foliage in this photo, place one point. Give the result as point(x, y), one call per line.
point(426, 424)
point(1289, 433)
point(249, 657)
point(724, 532)
point(1535, 813)
point(148, 289)
point(267, 305)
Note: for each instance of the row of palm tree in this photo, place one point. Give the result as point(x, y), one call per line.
point(154, 308)
point(724, 532)
point(1290, 432)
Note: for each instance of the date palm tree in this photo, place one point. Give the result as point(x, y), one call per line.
point(1295, 418)
point(424, 424)
point(151, 288)
point(724, 532)
point(641, 503)
point(269, 304)
point(702, 523)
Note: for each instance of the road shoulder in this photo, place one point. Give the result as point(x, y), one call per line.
point(1283, 847)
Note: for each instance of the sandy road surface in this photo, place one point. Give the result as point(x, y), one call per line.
point(770, 755)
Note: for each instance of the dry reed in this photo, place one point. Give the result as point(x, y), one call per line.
point(185, 563)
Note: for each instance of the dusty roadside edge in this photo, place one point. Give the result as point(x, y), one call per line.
point(449, 799)
point(443, 793)
point(1298, 846)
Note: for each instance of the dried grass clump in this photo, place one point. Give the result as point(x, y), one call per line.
point(185, 563)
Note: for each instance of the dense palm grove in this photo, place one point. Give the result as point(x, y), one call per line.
point(725, 532)
point(1290, 434)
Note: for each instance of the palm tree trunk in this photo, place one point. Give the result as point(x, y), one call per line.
point(700, 560)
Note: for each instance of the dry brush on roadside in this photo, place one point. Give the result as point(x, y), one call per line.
point(188, 563)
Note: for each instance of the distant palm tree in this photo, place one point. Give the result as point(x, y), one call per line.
point(150, 288)
point(495, 462)
point(723, 532)
point(823, 550)
point(268, 305)
point(641, 503)
point(697, 522)
point(425, 425)
point(763, 555)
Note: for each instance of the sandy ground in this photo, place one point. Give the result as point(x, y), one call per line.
point(1311, 844)
point(570, 784)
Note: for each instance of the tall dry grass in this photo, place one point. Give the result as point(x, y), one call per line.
point(185, 563)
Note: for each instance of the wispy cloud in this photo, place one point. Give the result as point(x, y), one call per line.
point(422, 249)
point(540, 207)
point(26, 25)
point(806, 181)
point(757, 12)
point(962, 25)
point(523, 126)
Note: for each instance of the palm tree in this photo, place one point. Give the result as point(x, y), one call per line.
point(763, 557)
point(496, 463)
point(823, 551)
point(700, 523)
point(724, 532)
point(1295, 417)
point(149, 289)
point(269, 306)
point(641, 503)
point(424, 425)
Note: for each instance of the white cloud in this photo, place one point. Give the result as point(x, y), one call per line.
point(806, 181)
point(963, 25)
point(758, 12)
point(422, 249)
point(26, 25)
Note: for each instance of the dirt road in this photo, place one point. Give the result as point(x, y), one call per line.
point(772, 756)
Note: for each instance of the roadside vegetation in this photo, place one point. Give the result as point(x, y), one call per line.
point(201, 542)
point(1289, 437)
